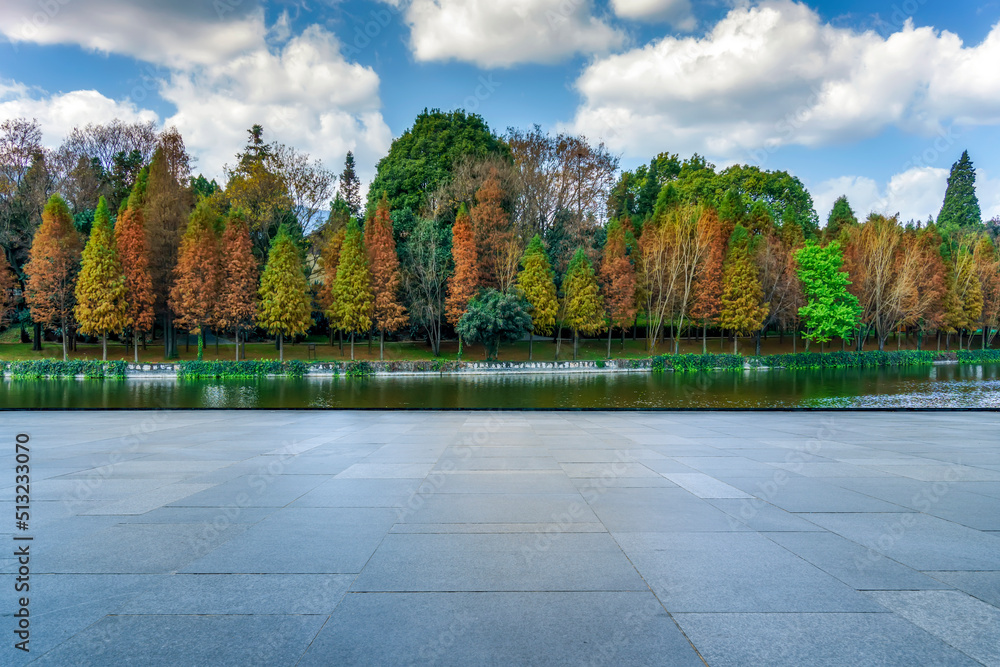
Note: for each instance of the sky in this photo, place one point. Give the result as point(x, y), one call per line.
point(872, 99)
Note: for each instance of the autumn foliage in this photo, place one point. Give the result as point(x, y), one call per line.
point(130, 235)
point(100, 287)
point(388, 313)
point(464, 282)
point(195, 293)
point(237, 305)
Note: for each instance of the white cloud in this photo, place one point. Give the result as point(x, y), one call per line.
point(58, 114)
point(774, 74)
point(492, 33)
point(676, 12)
point(305, 95)
point(175, 34)
point(222, 68)
point(914, 194)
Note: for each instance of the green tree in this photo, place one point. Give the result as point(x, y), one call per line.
point(285, 304)
point(742, 309)
point(350, 187)
point(422, 158)
point(427, 257)
point(841, 215)
point(961, 206)
point(352, 295)
point(582, 300)
point(493, 318)
point(100, 288)
point(537, 282)
point(830, 310)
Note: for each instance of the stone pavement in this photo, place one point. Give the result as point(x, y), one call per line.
point(385, 538)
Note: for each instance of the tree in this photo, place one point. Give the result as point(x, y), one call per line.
point(100, 287)
point(841, 216)
point(7, 284)
point(464, 282)
point(309, 185)
point(428, 262)
point(194, 297)
point(237, 306)
point(618, 282)
point(830, 310)
point(986, 262)
point(258, 186)
point(329, 260)
point(775, 258)
point(422, 158)
point(960, 209)
point(708, 277)
point(493, 318)
point(166, 209)
point(495, 240)
point(130, 236)
point(52, 269)
point(350, 186)
point(931, 286)
point(536, 282)
point(582, 301)
point(352, 296)
point(388, 313)
point(285, 305)
point(743, 310)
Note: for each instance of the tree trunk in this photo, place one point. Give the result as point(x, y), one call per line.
point(331, 337)
point(340, 339)
point(704, 337)
point(959, 339)
point(352, 346)
point(531, 340)
point(576, 342)
point(135, 340)
point(558, 340)
point(459, 346)
point(758, 344)
point(281, 347)
point(735, 338)
point(795, 342)
point(201, 343)
point(609, 342)
point(65, 342)
point(236, 334)
point(381, 345)
point(36, 343)
point(370, 342)
point(104, 346)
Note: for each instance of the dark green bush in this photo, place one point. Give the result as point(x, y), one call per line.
point(52, 368)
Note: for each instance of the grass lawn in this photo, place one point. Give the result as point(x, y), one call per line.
point(544, 349)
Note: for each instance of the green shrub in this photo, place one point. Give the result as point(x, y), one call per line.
point(359, 369)
point(52, 368)
point(214, 370)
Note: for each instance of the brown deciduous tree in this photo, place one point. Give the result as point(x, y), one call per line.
point(237, 304)
point(617, 282)
point(194, 297)
point(388, 313)
point(464, 282)
point(130, 235)
point(708, 279)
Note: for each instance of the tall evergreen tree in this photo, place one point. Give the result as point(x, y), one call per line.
point(388, 312)
point(350, 186)
point(537, 282)
point(194, 297)
point(742, 311)
point(841, 215)
point(238, 286)
point(464, 281)
point(285, 304)
point(130, 235)
point(648, 192)
point(582, 301)
point(352, 296)
point(52, 269)
point(100, 288)
point(961, 206)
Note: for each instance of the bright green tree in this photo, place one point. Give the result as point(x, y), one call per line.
point(830, 310)
point(742, 309)
point(537, 282)
point(495, 317)
point(961, 206)
point(841, 215)
point(285, 305)
point(582, 300)
point(352, 295)
point(100, 287)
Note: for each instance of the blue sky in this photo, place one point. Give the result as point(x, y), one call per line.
point(870, 99)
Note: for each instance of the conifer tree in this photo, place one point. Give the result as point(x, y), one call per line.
point(841, 215)
point(329, 259)
point(960, 209)
point(130, 235)
point(618, 277)
point(463, 283)
point(388, 313)
point(237, 307)
point(350, 186)
point(537, 282)
point(493, 234)
point(582, 301)
point(52, 269)
point(285, 304)
point(100, 288)
point(194, 296)
point(352, 297)
point(742, 311)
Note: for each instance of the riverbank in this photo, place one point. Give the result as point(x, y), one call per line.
point(683, 363)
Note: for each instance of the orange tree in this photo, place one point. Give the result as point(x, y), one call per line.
point(130, 235)
point(464, 281)
point(194, 296)
point(237, 305)
point(388, 312)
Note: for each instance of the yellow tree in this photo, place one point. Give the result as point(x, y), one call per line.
point(537, 282)
point(352, 296)
point(743, 307)
point(100, 289)
point(582, 301)
point(285, 304)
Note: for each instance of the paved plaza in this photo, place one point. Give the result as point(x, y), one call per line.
point(506, 538)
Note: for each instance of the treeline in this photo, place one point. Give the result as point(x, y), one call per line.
point(488, 237)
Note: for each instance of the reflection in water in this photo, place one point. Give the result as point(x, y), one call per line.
point(921, 386)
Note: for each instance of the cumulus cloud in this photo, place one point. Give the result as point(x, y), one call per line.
point(222, 68)
point(773, 74)
point(58, 114)
point(914, 194)
point(489, 33)
point(676, 12)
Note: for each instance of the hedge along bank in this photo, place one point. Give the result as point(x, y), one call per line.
point(682, 363)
